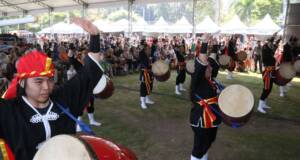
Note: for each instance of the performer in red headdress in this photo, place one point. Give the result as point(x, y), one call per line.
point(29, 112)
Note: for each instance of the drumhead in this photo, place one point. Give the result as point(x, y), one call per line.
point(160, 67)
point(224, 60)
point(287, 70)
point(242, 55)
point(101, 84)
point(190, 66)
point(297, 66)
point(64, 147)
point(236, 101)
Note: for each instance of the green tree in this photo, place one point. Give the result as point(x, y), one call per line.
point(263, 7)
point(174, 11)
point(244, 9)
point(250, 11)
point(205, 8)
point(120, 14)
point(171, 12)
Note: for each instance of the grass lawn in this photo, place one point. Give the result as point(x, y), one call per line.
point(162, 132)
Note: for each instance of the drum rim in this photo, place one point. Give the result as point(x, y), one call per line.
point(242, 57)
point(297, 63)
point(163, 78)
point(242, 115)
point(189, 65)
point(103, 94)
point(154, 66)
point(100, 88)
point(289, 66)
point(75, 138)
point(89, 148)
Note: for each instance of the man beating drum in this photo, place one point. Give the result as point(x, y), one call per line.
point(234, 105)
point(180, 78)
point(287, 58)
point(146, 76)
point(203, 120)
point(29, 114)
point(268, 51)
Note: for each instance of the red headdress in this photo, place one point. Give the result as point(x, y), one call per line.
point(33, 64)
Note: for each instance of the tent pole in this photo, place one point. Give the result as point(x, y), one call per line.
point(50, 18)
point(83, 10)
point(285, 39)
point(130, 4)
point(194, 28)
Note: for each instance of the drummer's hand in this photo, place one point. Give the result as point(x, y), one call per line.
point(87, 25)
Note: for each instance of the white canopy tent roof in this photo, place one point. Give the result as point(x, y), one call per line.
point(118, 26)
point(33, 7)
point(234, 26)
point(139, 26)
point(160, 26)
point(63, 28)
point(207, 26)
point(21, 32)
point(7, 22)
point(264, 27)
point(181, 26)
point(101, 24)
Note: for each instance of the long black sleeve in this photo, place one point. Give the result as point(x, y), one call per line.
point(75, 92)
point(199, 84)
point(232, 49)
point(144, 60)
point(287, 53)
point(179, 56)
point(268, 56)
point(215, 67)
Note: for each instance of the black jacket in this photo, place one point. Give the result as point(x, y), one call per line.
point(22, 127)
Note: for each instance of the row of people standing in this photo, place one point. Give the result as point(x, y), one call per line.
point(147, 56)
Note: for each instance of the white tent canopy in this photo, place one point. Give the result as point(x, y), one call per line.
point(160, 26)
point(33, 7)
point(234, 26)
point(101, 24)
point(7, 22)
point(181, 26)
point(118, 26)
point(63, 28)
point(45, 30)
point(265, 27)
point(139, 26)
point(207, 26)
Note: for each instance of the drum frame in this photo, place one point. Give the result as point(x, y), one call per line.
point(236, 122)
point(231, 121)
point(108, 90)
point(163, 78)
point(279, 80)
point(96, 148)
point(187, 68)
point(242, 55)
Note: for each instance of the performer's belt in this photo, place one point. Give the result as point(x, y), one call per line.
point(147, 79)
point(267, 76)
point(181, 65)
point(208, 115)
